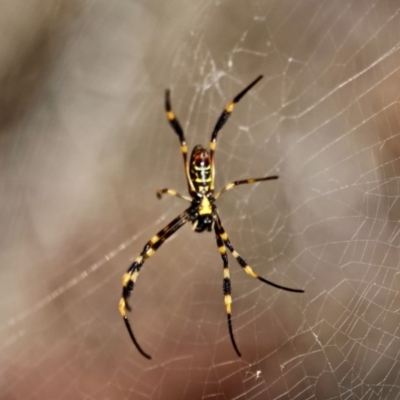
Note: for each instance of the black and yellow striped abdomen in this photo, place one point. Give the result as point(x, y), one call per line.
point(200, 169)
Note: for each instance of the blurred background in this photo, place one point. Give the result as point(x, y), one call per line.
point(84, 145)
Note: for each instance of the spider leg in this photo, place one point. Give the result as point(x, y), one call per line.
point(221, 232)
point(226, 287)
point(172, 192)
point(221, 122)
point(176, 126)
point(231, 185)
point(129, 278)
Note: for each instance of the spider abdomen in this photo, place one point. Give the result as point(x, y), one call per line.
point(200, 169)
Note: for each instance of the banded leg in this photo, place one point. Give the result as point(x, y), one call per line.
point(231, 185)
point(129, 278)
point(226, 287)
point(176, 126)
point(172, 192)
point(249, 271)
point(221, 122)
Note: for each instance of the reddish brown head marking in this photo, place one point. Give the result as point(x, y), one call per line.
point(200, 157)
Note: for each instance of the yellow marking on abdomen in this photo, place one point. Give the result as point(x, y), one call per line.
point(250, 272)
point(202, 180)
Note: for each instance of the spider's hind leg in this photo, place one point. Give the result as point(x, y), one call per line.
point(249, 271)
point(130, 276)
point(226, 287)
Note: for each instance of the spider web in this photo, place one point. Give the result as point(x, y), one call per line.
point(85, 144)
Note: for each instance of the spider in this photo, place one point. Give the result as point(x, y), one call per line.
point(202, 213)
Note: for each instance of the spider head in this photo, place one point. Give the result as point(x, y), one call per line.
point(200, 158)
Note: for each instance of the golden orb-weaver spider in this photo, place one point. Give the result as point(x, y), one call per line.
point(202, 213)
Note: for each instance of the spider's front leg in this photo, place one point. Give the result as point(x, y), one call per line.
point(221, 122)
point(129, 278)
point(176, 126)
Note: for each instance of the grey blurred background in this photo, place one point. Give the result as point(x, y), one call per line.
point(84, 145)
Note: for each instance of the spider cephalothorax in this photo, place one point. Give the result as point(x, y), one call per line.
point(202, 213)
